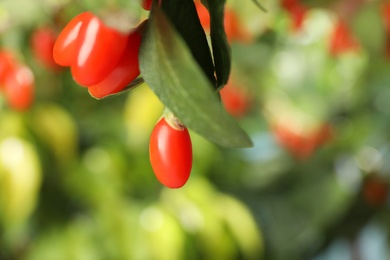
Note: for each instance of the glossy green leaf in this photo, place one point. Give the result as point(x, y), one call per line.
point(170, 70)
point(184, 17)
point(219, 43)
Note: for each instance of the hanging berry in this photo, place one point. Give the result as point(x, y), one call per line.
point(170, 152)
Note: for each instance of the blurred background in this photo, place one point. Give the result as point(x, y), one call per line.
point(309, 83)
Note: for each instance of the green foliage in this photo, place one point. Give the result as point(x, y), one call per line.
point(183, 17)
point(221, 50)
point(169, 69)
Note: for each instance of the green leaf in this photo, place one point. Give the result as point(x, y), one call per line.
point(183, 15)
point(170, 70)
point(219, 43)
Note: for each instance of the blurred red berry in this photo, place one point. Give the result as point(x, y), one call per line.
point(297, 11)
point(42, 44)
point(7, 64)
point(235, 100)
point(298, 145)
point(301, 145)
point(342, 40)
point(19, 88)
point(234, 31)
point(298, 15)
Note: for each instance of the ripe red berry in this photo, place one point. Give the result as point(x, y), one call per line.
point(101, 58)
point(124, 73)
point(64, 50)
point(170, 152)
point(98, 51)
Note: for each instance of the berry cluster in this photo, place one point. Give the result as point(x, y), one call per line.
point(16, 82)
point(101, 58)
point(106, 61)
